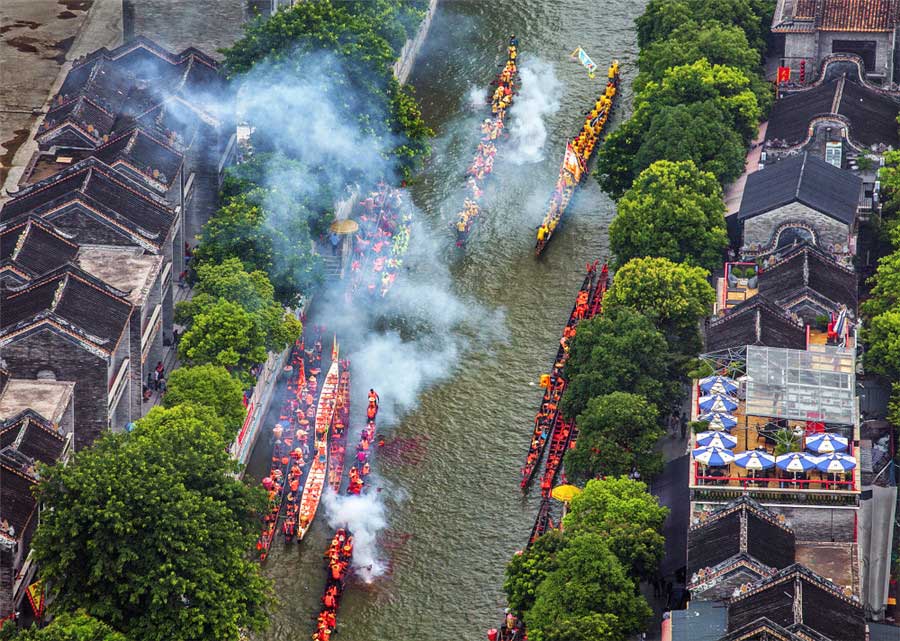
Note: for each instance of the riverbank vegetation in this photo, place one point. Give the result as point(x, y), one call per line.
point(581, 584)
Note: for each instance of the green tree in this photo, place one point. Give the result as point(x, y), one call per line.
point(69, 627)
point(719, 44)
point(149, 533)
point(674, 211)
point(208, 386)
point(245, 230)
point(362, 39)
point(627, 516)
point(882, 335)
point(679, 118)
point(527, 569)
point(620, 350)
point(252, 291)
point(702, 134)
point(617, 434)
point(663, 17)
point(589, 581)
point(673, 295)
point(885, 293)
point(224, 333)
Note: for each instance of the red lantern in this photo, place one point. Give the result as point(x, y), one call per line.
point(803, 71)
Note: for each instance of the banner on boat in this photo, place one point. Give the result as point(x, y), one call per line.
point(572, 163)
point(580, 55)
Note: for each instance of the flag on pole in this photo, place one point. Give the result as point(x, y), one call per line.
point(580, 55)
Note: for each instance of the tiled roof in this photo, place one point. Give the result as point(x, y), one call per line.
point(859, 15)
point(756, 321)
point(143, 152)
point(101, 189)
point(17, 503)
point(805, 9)
point(809, 267)
point(34, 246)
point(796, 595)
point(72, 296)
point(807, 179)
point(34, 436)
point(872, 116)
point(107, 90)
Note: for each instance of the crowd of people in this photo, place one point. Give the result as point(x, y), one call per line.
point(491, 130)
point(381, 242)
point(582, 146)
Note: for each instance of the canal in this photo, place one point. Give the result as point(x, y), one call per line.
point(459, 429)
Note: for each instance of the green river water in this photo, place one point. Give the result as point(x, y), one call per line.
point(454, 509)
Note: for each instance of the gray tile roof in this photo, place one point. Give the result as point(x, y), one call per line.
point(806, 179)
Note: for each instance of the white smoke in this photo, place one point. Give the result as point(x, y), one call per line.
point(538, 99)
point(402, 343)
point(476, 97)
point(363, 515)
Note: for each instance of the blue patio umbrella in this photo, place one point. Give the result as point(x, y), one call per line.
point(796, 462)
point(718, 403)
point(713, 456)
point(755, 460)
point(719, 420)
point(825, 443)
point(836, 463)
point(718, 385)
point(721, 440)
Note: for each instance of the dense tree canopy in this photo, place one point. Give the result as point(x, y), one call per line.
point(617, 435)
point(208, 386)
point(360, 41)
point(233, 320)
point(674, 211)
point(621, 350)
point(623, 511)
point(882, 336)
point(588, 593)
point(66, 627)
point(149, 532)
point(244, 229)
point(700, 112)
point(885, 286)
point(674, 296)
point(525, 571)
point(663, 17)
point(719, 44)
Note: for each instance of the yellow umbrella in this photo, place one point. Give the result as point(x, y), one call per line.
point(345, 226)
point(565, 493)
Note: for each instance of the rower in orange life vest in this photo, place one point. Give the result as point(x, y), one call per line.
point(372, 410)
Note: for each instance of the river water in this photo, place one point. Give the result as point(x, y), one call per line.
point(454, 508)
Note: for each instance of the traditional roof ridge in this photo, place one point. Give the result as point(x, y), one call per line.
point(758, 302)
point(29, 414)
point(63, 273)
point(743, 502)
point(790, 572)
point(789, 633)
point(81, 97)
point(705, 578)
point(807, 249)
point(94, 344)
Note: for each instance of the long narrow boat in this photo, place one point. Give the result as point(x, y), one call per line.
point(337, 555)
point(588, 304)
point(315, 479)
point(492, 128)
point(337, 442)
point(575, 161)
point(559, 445)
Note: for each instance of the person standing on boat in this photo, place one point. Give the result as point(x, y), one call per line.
point(373, 397)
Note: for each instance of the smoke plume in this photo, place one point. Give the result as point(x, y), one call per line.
point(363, 516)
point(538, 99)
